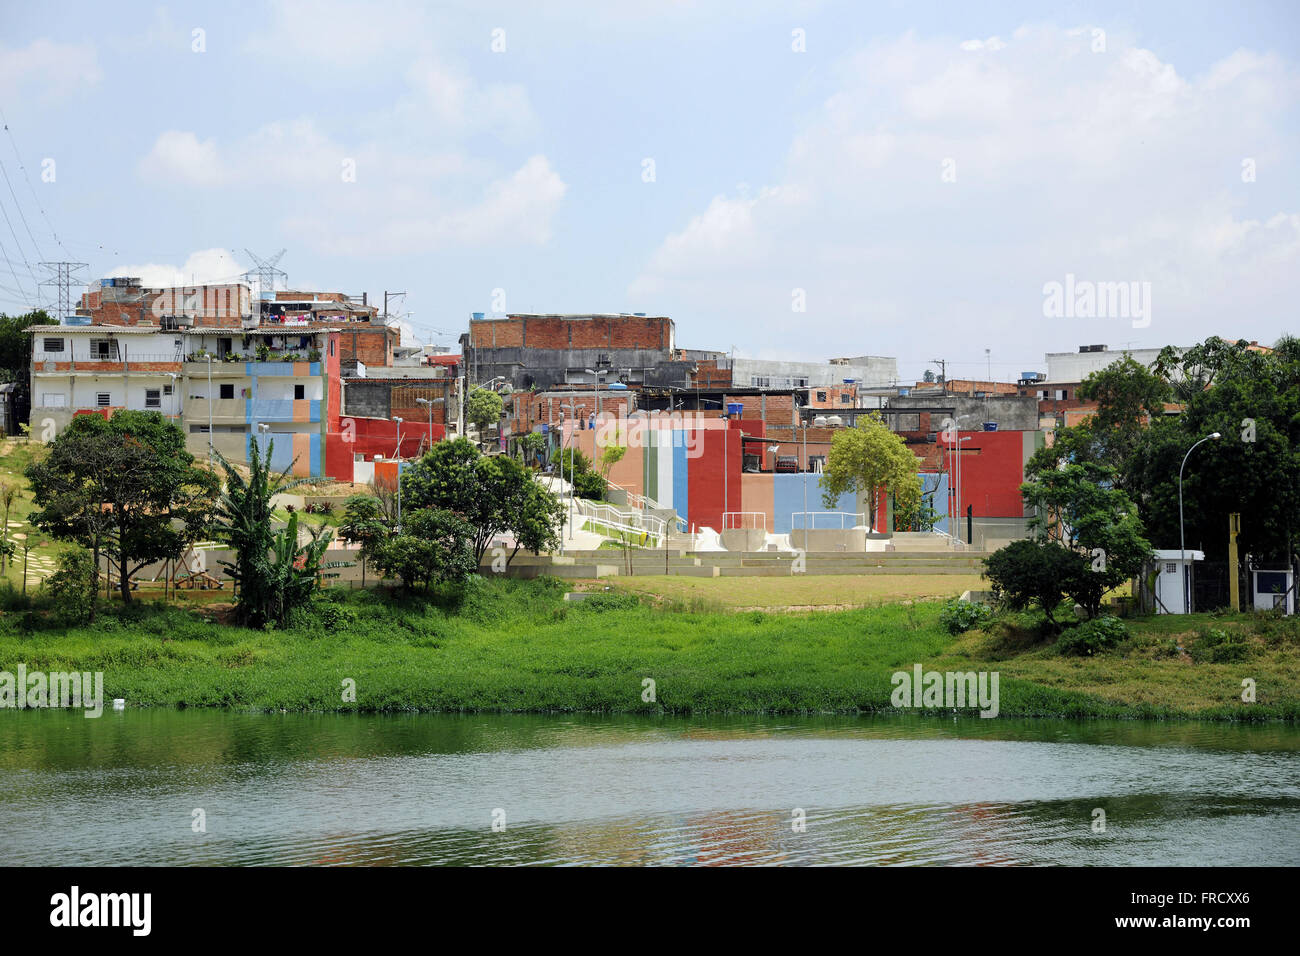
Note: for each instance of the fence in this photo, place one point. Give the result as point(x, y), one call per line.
point(744, 520)
point(860, 518)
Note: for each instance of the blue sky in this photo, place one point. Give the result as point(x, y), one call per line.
point(915, 175)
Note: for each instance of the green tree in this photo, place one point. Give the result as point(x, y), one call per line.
point(532, 447)
point(434, 547)
point(274, 571)
point(133, 466)
point(487, 491)
point(16, 351)
point(8, 495)
point(363, 524)
point(483, 408)
point(73, 583)
point(612, 454)
point(866, 458)
point(1028, 573)
point(1079, 506)
point(537, 519)
point(1252, 398)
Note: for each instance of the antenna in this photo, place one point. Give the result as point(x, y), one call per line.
point(62, 275)
point(265, 270)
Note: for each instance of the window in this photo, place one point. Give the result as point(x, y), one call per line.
point(54, 345)
point(198, 429)
point(103, 349)
point(331, 346)
point(152, 398)
point(1062, 394)
point(846, 398)
point(300, 391)
point(821, 396)
point(54, 399)
point(167, 389)
point(104, 399)
point(227, 390)
point(1171, 568)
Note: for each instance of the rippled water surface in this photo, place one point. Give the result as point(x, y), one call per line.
point(294, 789)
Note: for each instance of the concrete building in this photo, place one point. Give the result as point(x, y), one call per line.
point(536, 351)
point(862, 370)
point(284, 381)
point(101, 368)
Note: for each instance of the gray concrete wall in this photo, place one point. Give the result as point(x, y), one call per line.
point(1011, 412)
point(818, 539)
point(546, 368)
point(870, 370)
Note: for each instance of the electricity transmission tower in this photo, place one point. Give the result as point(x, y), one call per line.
point(265, 270)
point(62, 275)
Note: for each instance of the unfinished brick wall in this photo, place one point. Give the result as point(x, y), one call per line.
point(562, 333)
point(775, 410)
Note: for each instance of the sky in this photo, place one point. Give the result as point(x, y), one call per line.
point(797, 180)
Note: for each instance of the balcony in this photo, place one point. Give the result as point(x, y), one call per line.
point(239, 411)
point(240, 369)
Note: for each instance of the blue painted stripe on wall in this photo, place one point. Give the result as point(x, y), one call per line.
point(681, 475)
point(315, 456)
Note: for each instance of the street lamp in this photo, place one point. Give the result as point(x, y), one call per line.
point(1182, 545)
point(398, 455)
point(597, 375)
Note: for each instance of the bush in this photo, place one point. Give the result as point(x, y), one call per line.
point(1219, 647)
point(612, 601)
point(1093, 637)
point(1029, 574)
point(589, 485)
point(958, 617)
point(71, 583)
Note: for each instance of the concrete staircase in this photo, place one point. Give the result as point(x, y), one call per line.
point(607, 562)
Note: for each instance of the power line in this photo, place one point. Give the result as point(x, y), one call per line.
point(18, 156)
point(17, 245)
point(14, 273)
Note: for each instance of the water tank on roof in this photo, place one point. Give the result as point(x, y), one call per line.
point(990, 426)
point(477, 315)
point(834, 421)
point(735, 408)
point(819, 421)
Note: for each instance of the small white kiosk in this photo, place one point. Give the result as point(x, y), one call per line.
point(1274, 589)
point(1173, 588)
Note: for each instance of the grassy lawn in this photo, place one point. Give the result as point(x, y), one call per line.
point(15, 456)
point(518, 646)
point(821, 590)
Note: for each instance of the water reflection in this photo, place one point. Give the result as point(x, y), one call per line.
point(352, 790)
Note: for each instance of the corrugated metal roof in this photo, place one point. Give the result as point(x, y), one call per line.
point(111, 329)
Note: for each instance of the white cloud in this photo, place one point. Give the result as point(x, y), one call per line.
point(207, 266)
point(514, 210)
point(1111, 166)
point(47, 70)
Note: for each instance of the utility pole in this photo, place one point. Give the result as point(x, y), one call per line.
point(386, 295)
point(1234, 587)
point(943, 372)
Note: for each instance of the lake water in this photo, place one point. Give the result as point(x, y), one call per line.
point(426, 789)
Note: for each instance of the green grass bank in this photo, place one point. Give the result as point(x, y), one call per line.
point(517, 646)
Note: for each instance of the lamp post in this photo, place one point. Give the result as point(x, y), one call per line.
point(598, 374)
point(1182, 545)
point(398, 455)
